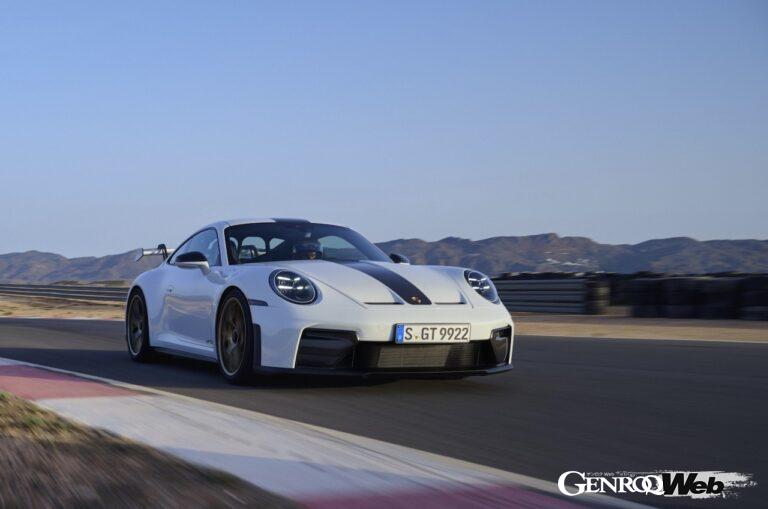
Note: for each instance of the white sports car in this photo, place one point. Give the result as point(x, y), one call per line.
point(272, 295)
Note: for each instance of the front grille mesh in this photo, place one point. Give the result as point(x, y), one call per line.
point(392, 356)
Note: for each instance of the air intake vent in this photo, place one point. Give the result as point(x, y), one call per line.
point(500, 340)
point(320, 348)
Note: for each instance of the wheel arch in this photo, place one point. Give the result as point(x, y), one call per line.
point(135, 288)
point(131, 292)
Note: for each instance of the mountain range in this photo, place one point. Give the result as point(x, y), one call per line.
point(532, 253)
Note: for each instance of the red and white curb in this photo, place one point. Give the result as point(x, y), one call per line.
point(317, 467)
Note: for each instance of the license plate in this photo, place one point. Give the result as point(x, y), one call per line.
point(432, 333)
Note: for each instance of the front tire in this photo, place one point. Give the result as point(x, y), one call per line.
point(137, 328)
point(234, 338)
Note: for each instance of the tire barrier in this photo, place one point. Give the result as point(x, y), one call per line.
point(71, 292)
point(576, 295)
point(699, 297)
point(648, 294)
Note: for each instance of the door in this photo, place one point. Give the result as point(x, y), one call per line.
point(190, 309)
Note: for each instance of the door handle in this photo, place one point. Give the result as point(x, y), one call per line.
point(169, 289)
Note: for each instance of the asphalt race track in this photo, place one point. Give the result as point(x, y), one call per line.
point(595, 405)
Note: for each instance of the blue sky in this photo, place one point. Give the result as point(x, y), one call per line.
point(130, 123)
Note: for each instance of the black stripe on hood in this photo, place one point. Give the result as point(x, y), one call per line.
point(394, 281)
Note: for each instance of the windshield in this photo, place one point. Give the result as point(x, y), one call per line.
point(272, 242)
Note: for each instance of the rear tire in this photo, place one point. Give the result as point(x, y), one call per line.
point(234, 338)
point(137, 328)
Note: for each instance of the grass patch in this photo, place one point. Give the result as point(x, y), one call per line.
point(48, 461)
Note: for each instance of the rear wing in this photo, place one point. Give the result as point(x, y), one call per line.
point(160, 250)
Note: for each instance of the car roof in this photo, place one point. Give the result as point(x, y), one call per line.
point(235, 222)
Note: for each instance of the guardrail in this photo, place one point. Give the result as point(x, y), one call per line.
point(73, 292)
point(576, 296)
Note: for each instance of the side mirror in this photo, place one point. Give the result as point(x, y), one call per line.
point(398, 258)
point(193, 260)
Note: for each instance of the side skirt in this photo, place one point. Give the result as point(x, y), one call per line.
point(181, 353)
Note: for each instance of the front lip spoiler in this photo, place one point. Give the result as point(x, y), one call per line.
point(387, 373)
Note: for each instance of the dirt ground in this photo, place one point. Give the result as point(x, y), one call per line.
point(47, 461)
point(614, 325)
point(43, 307)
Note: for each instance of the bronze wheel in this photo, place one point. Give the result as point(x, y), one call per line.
point(232, 337)
point(137, 328)
point(136, 325)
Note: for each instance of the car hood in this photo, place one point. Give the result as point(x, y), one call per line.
point(383, 283)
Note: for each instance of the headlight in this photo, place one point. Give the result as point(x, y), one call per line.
point(482, 284)
point(293, 287)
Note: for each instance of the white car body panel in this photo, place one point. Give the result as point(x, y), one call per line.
point(182, 303)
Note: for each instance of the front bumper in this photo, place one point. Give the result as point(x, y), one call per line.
point(339, 352)
point(283, 330)
point(382, 373)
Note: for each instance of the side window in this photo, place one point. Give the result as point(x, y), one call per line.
point(206, 242)
point(250, 250)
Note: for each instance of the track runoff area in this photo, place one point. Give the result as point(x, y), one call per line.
point(585, 405)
